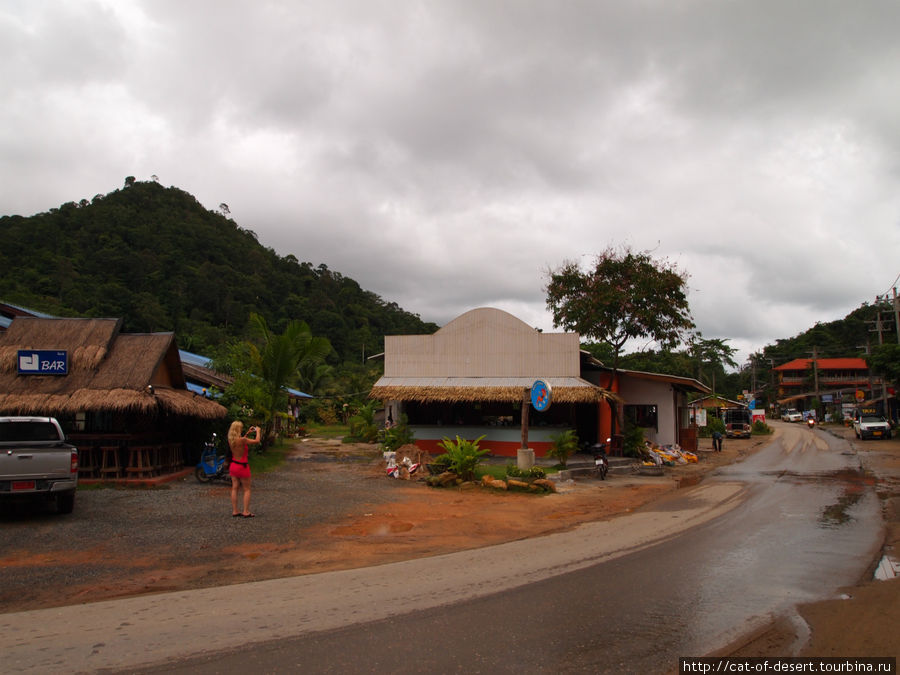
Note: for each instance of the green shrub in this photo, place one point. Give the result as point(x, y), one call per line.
point(396, 436)
point(464, 456)
point(536, 472)
point(760, 427)
point(632, 441)
point(362, 424)
point(563, 446)
point(513, 471)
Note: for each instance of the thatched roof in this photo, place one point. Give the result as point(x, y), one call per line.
point(470, 389)
point(108, 371)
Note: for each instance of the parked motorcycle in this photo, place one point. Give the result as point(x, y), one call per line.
point(212, 465)
point(601, 461)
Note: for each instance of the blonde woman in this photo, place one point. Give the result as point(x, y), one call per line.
point(239, 469)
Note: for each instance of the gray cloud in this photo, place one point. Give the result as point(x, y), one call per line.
point(445, 155)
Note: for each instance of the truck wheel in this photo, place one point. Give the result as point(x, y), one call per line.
point(65, 503)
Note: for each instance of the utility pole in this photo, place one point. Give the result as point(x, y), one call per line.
point(815, 357)
point(896, 313)
point(879, 328)
point(753, 374)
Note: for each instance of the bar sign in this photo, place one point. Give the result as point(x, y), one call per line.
point(43, 362)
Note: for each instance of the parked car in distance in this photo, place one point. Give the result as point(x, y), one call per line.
point(36, 462)
point(792, 415)
point(737, 422)
point(870, 425)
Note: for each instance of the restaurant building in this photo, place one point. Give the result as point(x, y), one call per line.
point(122, 398)
point(471, 378)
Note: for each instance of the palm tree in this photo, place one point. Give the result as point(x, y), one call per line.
point(279, 359)
point(714, 353)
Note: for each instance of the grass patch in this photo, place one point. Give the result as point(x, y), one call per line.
point(492, 470)
point(328, 430)
point(271, 459)
point(88, 487)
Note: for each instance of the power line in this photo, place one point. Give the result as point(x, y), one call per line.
point(893, 285)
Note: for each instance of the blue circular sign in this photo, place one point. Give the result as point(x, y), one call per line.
point(541, 395)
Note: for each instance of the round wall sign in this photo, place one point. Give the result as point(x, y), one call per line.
point(541, 394)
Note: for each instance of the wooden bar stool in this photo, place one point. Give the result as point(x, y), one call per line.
point(139, 461)
point(175, 456)
point(88, 462)
point(171, 457)
point(109, 462)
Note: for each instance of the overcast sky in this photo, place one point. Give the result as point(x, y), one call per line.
point(446, 155)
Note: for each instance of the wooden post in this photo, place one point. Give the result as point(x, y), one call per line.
point(524, 455)
point(526, 404)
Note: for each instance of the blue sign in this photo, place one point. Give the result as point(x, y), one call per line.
point(43, 362)
point(541, 394)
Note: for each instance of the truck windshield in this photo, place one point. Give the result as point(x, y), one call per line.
point(872, 418)
point(26, 432)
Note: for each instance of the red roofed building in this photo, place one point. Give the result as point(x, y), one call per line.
point(842, 378)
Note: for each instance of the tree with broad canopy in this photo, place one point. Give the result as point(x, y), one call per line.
point(626, 295)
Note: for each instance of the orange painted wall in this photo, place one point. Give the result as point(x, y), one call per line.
point(604, 418)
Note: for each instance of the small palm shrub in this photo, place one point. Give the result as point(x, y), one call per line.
point(564, 445)
point(633, 441)
point(362, 424)
point(464, 456)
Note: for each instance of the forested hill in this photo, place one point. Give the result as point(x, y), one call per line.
point(157, 258)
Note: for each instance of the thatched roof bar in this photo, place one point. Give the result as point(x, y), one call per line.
point(470, 389)
point(174, 401)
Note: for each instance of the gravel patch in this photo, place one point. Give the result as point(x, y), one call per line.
point(115, 534)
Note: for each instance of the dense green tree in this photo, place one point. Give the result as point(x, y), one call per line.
point(624, 296)
point(885, 361)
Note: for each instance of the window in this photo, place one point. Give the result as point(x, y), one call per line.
point(643, 416)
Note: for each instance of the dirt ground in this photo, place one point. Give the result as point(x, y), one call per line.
point(405, 520)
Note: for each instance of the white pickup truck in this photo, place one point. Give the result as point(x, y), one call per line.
point(36, 462)
point(869, 425)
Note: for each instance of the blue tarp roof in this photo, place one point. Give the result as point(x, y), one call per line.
point(204, 362)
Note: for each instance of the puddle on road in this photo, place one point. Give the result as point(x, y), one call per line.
point(835, 515)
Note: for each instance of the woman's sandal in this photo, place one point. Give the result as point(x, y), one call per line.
point(249, 515)
point(236, 515)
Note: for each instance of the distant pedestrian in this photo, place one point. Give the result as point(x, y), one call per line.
point(239, 469)
point(717, 440)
